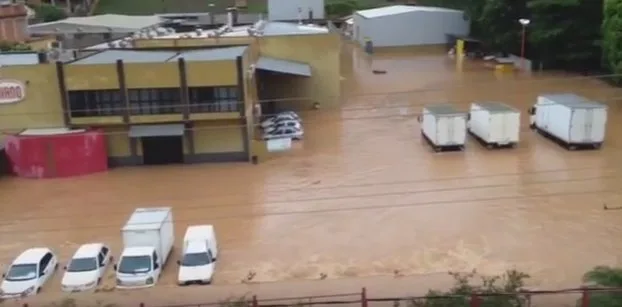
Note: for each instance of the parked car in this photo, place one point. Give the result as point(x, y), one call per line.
point(283, 123)
point(86, 268)
point(280, 117)
point(28, 273)
point(198, 258)
point(294, 133)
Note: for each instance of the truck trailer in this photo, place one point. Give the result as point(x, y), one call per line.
point(494, 124)
point(570, 120)
point(443, 127)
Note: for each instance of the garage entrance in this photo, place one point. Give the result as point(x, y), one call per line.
point(279, 80)
point(160, 144)
point(158, 150)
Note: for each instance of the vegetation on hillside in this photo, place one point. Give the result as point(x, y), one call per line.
point(612, 38)
point(48, 13)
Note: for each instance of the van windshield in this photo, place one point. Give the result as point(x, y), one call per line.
point(134, 264)
point(82, 265)
point(21, 272)
point(196, 259)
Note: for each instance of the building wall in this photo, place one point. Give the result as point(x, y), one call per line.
point(41, 107)
point(324, 86)
point(289, 9)
point(414, 28)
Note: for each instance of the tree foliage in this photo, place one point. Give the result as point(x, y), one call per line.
point(49, 13)
point(612, 38)
point(605, 276)
point(496, 291)
point(11, 46)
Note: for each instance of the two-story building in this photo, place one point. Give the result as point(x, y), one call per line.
point(185, 98)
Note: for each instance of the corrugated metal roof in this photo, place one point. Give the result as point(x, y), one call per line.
point(284, 66)
point(156, 130)
point(573, 100)
point(211, 54)
point(496, 107)
point(442, 108)
point(127, 56)
point(401, 9)
point(97, 23)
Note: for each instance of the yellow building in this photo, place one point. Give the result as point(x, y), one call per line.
point(184, 98)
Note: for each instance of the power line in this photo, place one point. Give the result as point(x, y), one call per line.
point(342, 197)
point(333, 210)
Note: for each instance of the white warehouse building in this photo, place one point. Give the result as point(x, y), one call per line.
point(403, 25)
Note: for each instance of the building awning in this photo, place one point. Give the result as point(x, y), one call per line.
point(156, 130)
point(284, 66)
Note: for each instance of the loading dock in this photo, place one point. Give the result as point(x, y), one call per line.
point(160, 144)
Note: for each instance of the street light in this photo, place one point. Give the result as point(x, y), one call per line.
point(524, 22)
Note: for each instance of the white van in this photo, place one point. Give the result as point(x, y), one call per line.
point(198, 257)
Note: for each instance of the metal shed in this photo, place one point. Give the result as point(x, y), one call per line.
point(402, 25)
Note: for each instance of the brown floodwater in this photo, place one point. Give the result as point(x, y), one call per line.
point(363, 195)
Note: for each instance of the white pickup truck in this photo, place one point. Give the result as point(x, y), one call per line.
point(148, 238)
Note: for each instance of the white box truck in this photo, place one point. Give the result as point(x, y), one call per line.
point(443, 127)
point(494, 124)
point(569, 119)
point(198, 257)
point(148, 238)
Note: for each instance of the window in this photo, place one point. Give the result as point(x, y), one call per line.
point(45, 261)
point(96, 103)
point(214, 99)
point(154, 101)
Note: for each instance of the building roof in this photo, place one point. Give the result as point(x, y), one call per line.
point(147, 56)
point(284, 66)
point(496, 107)
point(401, 9)
point(442, 108)
point(97, 24)
point(267, 28)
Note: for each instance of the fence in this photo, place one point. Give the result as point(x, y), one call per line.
point(577, 297)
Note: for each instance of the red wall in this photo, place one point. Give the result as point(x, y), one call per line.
point(54, 156)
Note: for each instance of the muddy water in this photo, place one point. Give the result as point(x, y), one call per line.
point(363, 195)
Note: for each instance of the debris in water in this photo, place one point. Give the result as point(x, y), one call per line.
point(379, 72)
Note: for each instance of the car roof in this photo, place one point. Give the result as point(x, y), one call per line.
point(88, 250)
point(199, 232)
point(31, 255)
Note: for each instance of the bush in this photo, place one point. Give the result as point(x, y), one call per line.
point(9, 46)
point(497, 291)
point(49, 13)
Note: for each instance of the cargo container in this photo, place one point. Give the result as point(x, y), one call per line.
point(494, 124)
point(148, 238)
point(443, 127)
point(571, 120)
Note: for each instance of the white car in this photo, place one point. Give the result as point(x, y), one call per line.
point(199, 255)
point(86, 268)
point(284, 123)
point(28, 273)
point(280, 117)
point(285, 132)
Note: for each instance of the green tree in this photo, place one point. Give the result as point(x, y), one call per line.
point(495, 291)
point(497, 21)
point(604, 276)
point(566, 33)
point(49, 13)
point(612, 38)
point(341, 8)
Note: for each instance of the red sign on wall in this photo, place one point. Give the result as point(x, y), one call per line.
point(11, 91)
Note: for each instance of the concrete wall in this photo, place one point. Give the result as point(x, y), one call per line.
point(414, 28)
point(289, 9)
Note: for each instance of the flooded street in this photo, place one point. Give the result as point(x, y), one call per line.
point(363, 195)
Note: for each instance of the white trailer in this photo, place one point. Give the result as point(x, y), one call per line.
point(148, 238)
point(571, 120)
point(443, 127)
point(494, 124)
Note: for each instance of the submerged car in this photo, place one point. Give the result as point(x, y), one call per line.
point(291, 116)
point(28, 273)
point(86, 268)
point(294, 133)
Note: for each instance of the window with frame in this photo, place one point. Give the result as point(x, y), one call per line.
point(214, 99)
point(96, 103)
point(147, 101)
